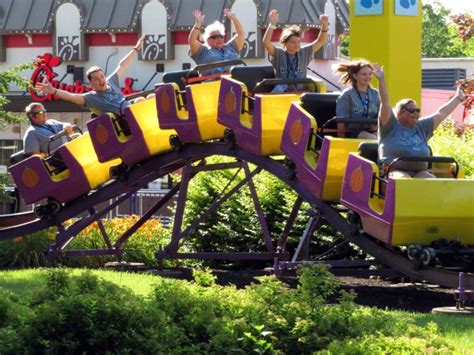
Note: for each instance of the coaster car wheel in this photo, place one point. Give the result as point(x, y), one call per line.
point(290, 165)
point(229, 139)
point(414, 252)
point(428, 256)
point(51, 208)
point(175, 143)
point(119, 172)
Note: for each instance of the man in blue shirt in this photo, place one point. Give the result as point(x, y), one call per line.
point(106, 95)
point(36, 139)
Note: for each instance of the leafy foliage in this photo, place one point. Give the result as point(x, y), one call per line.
point(28, 251)
point(457, 143)
point(440, 37)
point(11, 76)
point(85, 314)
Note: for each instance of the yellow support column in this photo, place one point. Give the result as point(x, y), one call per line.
point(388, 32)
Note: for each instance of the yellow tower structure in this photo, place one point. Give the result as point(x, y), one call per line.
point(388, 32)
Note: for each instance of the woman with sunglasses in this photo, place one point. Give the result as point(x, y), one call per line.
point(36, 139)
point(402, 132)
point(215, 49)
point(291, 60)
point(360, 101)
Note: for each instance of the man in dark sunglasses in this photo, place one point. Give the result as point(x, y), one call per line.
point(402, 133)
point(36, 138)
point(215, 49)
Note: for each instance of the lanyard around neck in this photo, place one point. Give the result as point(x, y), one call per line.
point(366, 103)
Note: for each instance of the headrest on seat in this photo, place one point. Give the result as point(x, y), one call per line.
point(18, 157)
point(322, 106)
point(369, 150)
point(178, 76)
point(252, 74)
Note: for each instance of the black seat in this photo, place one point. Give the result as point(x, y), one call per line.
point(18, 157)
point(369, 150)
point(178, 77)
point(253, 74)
point(322, 107)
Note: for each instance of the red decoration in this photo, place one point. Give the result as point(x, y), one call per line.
point(44, 70)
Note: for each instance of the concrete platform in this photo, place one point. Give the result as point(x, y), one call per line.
point(468, 311)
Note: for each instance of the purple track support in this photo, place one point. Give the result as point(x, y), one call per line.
point(258, 208)
point(35, 183)
point(289, 224)
point(374, 223)
point(167, 109)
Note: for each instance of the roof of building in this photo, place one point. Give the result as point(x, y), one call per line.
point(36, 16)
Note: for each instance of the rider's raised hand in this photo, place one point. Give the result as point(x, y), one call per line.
point(324, 20)
point(229, 14)
point(273, 17)
point(377, 70)
point(198, 17)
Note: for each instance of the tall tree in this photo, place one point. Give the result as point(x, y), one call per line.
point(440, 38)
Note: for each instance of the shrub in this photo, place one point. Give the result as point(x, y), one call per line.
point(29, 251)
point(85, 314)
point(457, 143)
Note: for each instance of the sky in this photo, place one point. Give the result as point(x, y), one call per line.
point(456, 6)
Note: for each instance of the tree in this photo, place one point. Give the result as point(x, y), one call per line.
point(11, 76)
point(438, 38)
point(465, 25)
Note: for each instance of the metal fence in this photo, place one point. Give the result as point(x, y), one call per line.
point(138, 204)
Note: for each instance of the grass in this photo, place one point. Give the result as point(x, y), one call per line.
point(28, 281)
point(458, 330)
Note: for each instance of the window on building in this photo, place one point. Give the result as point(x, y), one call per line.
point(8, 147)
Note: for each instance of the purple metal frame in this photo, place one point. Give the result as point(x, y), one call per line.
point(248, 138)
point(108, 146)
point(178, 236)
point(163, 164)
point(43, 186)
point(313, 178)
point(374, 223)
point(167, 109)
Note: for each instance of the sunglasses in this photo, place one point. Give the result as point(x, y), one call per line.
point(412, 110)
point(216, 37)
point(42, 112)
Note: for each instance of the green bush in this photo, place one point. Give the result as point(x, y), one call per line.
point(29, 251)
point(457, 143)
point(85, 314)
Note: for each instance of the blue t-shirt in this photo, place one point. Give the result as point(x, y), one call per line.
point(36, 137)
point(110, 100)
point(206, 55)
point(357, 105)
point(396, 140)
